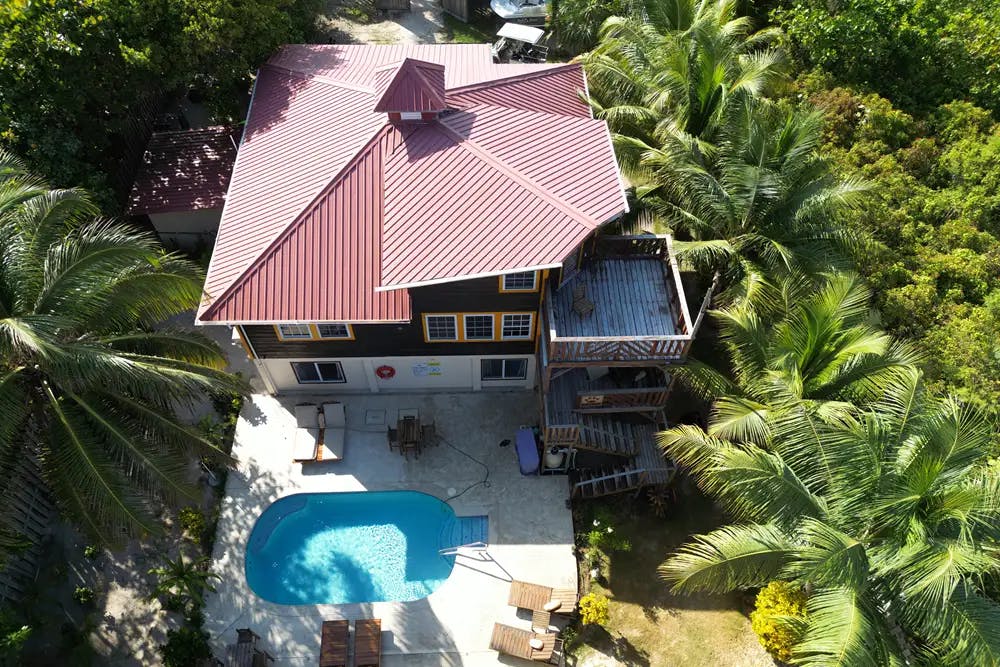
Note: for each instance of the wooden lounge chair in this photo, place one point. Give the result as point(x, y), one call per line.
point(542, 601)
point(333, 644)
point(334, 424)
point(368, 643)
point(525, 644)
point(308, 434)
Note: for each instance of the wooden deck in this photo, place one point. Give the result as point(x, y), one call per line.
point(572, 391)
point(632, 297)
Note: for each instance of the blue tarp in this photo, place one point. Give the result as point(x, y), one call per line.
point(527, 451)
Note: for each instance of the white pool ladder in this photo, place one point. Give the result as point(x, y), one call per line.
point(472, 546)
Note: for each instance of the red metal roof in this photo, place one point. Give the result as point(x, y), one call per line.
point(330, 204)
point(555, 90)
point(184, 170)
point(410, 86)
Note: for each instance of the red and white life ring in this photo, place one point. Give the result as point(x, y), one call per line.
point(385, 372)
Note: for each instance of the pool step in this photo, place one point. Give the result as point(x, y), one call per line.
point(465, 530)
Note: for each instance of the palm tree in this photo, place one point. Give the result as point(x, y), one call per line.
point(886, 515)
point(762, 204)
point(735, 177)
point(797, 344)
point(671, 68)
point(87, 384)
point(189, 579)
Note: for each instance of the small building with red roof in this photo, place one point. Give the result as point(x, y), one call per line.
point(181, 185)
point(420, 218)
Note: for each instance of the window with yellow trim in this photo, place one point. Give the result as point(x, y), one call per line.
point(516, 326)
point(441, 327)
point(526, 281)
point(315, 331)
point(294, 331)
point(333, 330)
point(478, 327)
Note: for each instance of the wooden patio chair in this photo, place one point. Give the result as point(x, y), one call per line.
point(393, 436)
point(525, 644)
point(333, 644)
point(368, 643)
point(537, 597)
point(582, 306)
point(308, 432)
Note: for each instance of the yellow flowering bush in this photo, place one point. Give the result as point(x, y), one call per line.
point(778, 599)
point(593, 609)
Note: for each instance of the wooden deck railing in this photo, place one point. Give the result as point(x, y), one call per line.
point(620, 350)
point(562, 434)
point(622, 400)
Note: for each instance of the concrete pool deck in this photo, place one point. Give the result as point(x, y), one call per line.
point(530, 525)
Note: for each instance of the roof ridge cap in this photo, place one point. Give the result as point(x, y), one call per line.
point(560, 203)
point(295, 222)
point(516, 77)
point(320, 78)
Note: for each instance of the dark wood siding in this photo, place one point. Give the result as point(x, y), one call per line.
point(385, 340)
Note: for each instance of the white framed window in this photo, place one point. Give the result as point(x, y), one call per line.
point(478, 327)
point(294, 331)
point(410, 115)
point(318, 372)
point(334, 330)
point(516, 326)
point(441, 327)
point(503, 369)
point(519, 282)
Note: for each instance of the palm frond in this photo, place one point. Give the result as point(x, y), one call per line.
point(728, 559)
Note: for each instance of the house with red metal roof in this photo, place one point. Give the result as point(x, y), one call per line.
point(420, 218)
point(181, 185)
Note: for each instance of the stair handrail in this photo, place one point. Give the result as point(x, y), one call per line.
point(602, 478)
point(625, 439)
point(479, 546)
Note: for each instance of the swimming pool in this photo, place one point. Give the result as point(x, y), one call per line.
point(340, 548)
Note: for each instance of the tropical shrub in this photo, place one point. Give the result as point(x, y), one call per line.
point(776, 604)
point(13, 634)
point(576, 22)
point(192, 521)
point(83, 595)
point(602, 535)
point(185, 646)
point(594, 609)
point(90, 552)
point(190, 579)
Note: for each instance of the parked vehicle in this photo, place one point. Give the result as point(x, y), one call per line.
point(530, 11)
point(519, 43)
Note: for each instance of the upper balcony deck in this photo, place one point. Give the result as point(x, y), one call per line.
point(639, 312)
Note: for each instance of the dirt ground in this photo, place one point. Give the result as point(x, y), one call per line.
point(649, 626)
point(359, 22)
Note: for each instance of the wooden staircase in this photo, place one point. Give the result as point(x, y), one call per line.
point(647, 467)
point(609, 436)
point(597, 482)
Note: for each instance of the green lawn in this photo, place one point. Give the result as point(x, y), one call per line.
point(481, 28)
point(649, 625)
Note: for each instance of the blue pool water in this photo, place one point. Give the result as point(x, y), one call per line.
point(339, 548)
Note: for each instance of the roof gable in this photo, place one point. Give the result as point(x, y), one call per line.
point(410, 86)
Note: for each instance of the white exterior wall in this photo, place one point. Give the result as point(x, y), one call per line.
point(413, 374)
point(186, 228)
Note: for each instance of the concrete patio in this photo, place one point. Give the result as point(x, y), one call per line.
point(530, 525)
